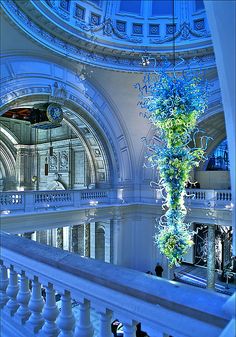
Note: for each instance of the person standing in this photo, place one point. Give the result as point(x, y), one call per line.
point(158, 270)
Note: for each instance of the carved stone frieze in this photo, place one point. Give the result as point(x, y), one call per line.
point(53, 163)
point(108, 28)
point(58, 92)
point(185, 32)
point(88, 34)
point(63, 161)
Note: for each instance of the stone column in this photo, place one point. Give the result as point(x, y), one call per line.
point(12, 290)
point(66, 320)
point(105, 324)
point(74, 239)
point(92, 239)
point(117, 239)
point(23, 298)
point(60, 238)
point(34, 236)
point(211, 257)
point(54, 237)
point(84, 328)
point(36, 304)
point(3, 285)
point(66, 238)
point(25, 167)
point(50, 313)
point(129, 329)
point(107, 241)
point(87, 239)
point(81, 239)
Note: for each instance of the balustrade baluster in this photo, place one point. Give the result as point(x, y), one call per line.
point(66, 320)
point(50, 313)
point(12, 291)
point(36, 305)
point(105, 324)
point(129, 330)
point(23, 298)
point(3, 284)
point(84, 327)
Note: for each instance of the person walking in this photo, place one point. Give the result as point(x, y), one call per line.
point(158, 269)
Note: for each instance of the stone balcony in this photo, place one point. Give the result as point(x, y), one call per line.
point(163, 307)
point(22, 209)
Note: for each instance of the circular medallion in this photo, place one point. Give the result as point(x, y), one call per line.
point(54, 113)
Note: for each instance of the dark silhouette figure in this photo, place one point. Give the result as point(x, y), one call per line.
point(158, 270)
point(117, 331)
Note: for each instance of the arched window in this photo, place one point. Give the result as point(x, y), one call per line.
point(130, 6)
point(219, 158)
point(199, 4)
point(162, 7)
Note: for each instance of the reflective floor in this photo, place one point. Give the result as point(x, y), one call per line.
point(196, 276)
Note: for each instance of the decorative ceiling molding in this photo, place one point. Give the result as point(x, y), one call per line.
point(89, 51)
point(185, 32)
point(77, 97)
point(108, 29)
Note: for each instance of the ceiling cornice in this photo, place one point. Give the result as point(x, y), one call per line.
point(91, 51)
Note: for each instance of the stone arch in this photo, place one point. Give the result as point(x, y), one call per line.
point(7, 159)
point(214, 127)
point(82, 98)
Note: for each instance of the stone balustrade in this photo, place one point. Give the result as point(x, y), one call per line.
point(36, 200)
point(30, 201)
point(33, 276)
point(12, 200)
point(209, 198)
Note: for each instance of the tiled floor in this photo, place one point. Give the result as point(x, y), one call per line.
point(196, 276)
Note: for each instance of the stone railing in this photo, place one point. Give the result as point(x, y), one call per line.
point(30, 201)
point(12, 200)
point(209, 198)
point(40, 285)
point(85, 195)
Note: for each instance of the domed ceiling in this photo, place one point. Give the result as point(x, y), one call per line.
point(116, 34)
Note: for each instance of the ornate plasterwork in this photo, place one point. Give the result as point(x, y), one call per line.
point(11, 99)
point(185, 32)
point(107, 56)
point(108, 28)
point(62, 13)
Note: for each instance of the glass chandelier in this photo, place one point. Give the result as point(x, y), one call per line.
point(173, 101)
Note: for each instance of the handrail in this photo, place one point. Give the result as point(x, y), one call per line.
point(131, 295)
point(29, 201)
